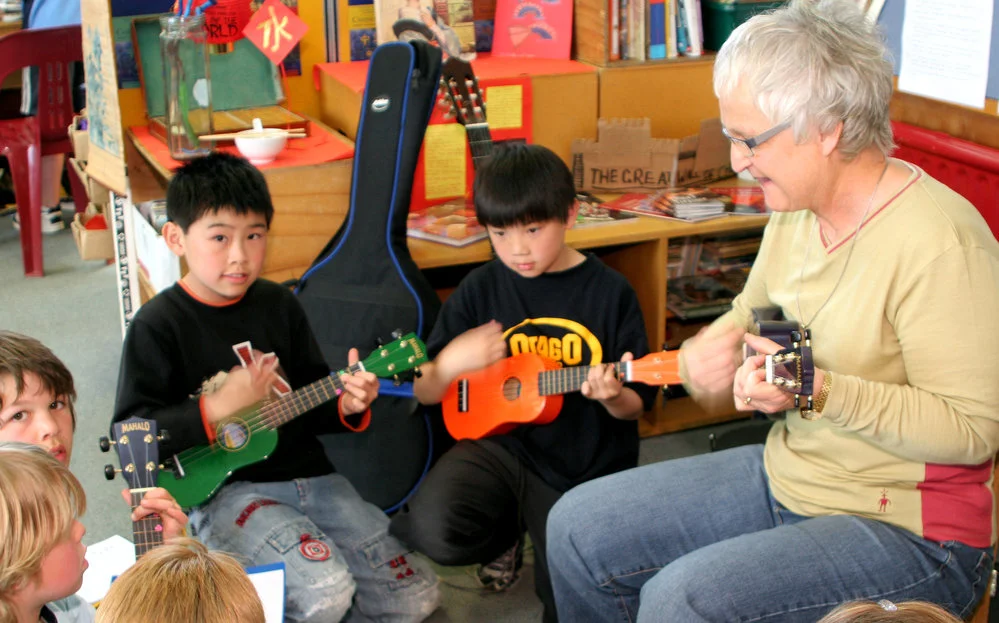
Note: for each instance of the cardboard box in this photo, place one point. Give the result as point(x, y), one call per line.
point(79, 138)
point(157, 263)
point(93, 244)
point(563, 92)
point(625, 157)
point(96, 193)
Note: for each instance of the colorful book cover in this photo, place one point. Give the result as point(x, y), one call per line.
point(452, 223)
point(535, 28)
point(745, 199)
point(405, 20)
point(657, 29)
point(484, 14)
point(459, 15)
point(592, 212)
point(356, 30)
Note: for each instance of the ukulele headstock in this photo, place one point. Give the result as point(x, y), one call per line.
point(403, 353)
point(136, 441)
point(792, 369)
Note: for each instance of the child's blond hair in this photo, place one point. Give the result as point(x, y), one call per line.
point(885, 611)
point(20, 355)
point(39, 500)
point(202, 585)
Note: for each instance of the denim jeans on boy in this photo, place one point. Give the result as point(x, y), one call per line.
point(340, 562)
point(702, 539)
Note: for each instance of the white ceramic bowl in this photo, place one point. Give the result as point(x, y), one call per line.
point(261, 146)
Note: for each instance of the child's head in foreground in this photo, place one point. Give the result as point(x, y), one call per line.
point(41, 549)
point(36, 396)
point(525, 197)
point(885, 611)
point(182, 581)
point(218, 211)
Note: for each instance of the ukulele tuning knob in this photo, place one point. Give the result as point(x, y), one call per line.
point(104, 443)
point(417, 372)
point(396, 334)
point(379, 342)
point(164, 436)
point(110, 471)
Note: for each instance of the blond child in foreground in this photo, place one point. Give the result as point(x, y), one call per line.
point(41, 549)
point(202, 586)
point(884, 611)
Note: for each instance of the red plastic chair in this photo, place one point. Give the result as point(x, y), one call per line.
point(24, 140)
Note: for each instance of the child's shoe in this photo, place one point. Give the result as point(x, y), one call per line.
point(51, 220)
point(502, 574)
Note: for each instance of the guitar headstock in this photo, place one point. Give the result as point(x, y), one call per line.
point(137, 443)
point(462, 88)
point(403, 353)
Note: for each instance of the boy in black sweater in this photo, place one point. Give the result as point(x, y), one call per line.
point(541, 296)
point(291, 507)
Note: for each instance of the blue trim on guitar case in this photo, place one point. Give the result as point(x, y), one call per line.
point(388, 240)
point(395, 183)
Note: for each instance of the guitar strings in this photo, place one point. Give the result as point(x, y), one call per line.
point(273, 414)
point(261, 419)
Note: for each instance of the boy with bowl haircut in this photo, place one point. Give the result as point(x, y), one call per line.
point(538, 295)
point(291, 507)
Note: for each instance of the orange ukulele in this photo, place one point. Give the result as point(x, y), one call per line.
point(528, 388)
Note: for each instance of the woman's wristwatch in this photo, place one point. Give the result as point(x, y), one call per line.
point(812, 409)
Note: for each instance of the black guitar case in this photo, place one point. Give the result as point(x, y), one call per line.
point(365, 284)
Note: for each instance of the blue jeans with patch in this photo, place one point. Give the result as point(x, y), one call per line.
point(340, 562)
point(702, 539)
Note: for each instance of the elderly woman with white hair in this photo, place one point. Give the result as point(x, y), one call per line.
point(876, 484)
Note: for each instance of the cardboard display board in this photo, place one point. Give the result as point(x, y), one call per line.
point(625, 157)
point(106, 157)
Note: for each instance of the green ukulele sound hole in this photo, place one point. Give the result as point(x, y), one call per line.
point(233, 435)
point(511, 388)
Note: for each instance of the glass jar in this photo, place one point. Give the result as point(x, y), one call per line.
point(186, 85)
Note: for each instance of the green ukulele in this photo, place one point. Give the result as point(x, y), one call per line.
point(251, 435)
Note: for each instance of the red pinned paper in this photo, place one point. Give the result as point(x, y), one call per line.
point(276, 30)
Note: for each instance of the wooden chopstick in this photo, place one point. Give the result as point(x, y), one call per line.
point(232, 135)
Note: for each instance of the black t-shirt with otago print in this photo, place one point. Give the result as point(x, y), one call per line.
point(585, 315)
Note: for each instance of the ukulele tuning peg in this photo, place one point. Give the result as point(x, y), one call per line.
point(110, 471)
point(396, 334)
point(164, 436)
point(379, 342)
point(417, 372)
point(104, 443)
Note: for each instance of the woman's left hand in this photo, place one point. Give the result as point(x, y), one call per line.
point(751, 391)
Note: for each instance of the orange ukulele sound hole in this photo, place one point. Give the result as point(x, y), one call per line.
point(511, 388)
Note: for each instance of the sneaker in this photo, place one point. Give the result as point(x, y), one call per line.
point(502, 574)
point(51, 220)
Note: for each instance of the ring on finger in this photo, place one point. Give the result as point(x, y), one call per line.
point(747, 400)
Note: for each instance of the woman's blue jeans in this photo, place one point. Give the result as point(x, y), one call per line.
point(702, 539)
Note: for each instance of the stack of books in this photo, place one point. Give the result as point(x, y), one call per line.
point(684, 204)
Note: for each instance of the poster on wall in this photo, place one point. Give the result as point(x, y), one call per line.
point(106, 161)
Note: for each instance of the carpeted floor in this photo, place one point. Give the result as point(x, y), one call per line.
point(72, 310)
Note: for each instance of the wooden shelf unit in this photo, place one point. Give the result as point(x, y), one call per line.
point(590, 33)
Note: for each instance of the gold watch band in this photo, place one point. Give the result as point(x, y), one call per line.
point(819, 402)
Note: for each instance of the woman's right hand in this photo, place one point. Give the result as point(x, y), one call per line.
point(711, 358)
